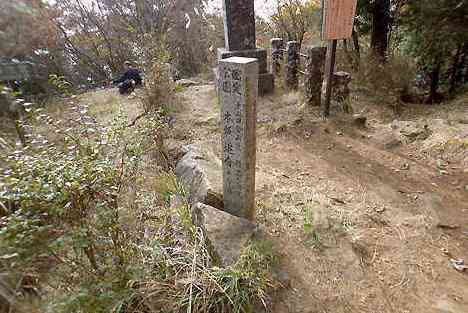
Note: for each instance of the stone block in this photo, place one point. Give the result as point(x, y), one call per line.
point(277, 55)
point(200, 172)
point(227, 234)
point(259, 54)
point(341, 91)
point(266, 84)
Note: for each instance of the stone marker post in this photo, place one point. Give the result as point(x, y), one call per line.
point(277, 47)
point(239, 38)
point(292, 65)
point(313, 78)
point(237, 92)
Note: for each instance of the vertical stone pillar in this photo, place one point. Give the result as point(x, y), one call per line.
point(239, 24)
point(313, 78)
point(239, 38)
point(292, 65)
point(277, 47)
point(237, 92)
point(341, 82)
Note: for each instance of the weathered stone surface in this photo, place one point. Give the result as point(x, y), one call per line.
point(259, 54)
point(341, 90)
point(239, 24)
point(277, 55)
point(237, 92)
point(200, 171)
point(266, 83)
point(174, 150)
point(292, 65)
point(314, 74)
point(227, 234)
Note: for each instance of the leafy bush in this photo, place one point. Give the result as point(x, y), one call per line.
point(388, 81)
point(61, 84)
point(83, 232)
point(63, 219)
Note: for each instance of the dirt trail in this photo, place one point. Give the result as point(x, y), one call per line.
point(379, 217)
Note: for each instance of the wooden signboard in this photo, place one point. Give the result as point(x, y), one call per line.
point(338, 19)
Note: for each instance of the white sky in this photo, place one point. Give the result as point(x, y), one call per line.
point(262, 7)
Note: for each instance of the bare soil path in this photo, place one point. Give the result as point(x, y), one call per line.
point(361, 226)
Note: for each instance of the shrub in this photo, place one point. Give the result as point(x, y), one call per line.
point(74, 240)
point(63, 219)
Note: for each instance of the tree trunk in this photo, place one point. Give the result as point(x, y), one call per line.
point(434, 75)
point(464, 64)
point(455, 70)
point(357, 49)
point(349, 57)
point(380, 28)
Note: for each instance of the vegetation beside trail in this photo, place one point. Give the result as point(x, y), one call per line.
point(86, 218)
point(87, 223)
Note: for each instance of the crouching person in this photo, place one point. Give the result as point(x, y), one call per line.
point(129, 80)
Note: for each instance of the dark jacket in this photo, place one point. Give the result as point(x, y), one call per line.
point(130, 74)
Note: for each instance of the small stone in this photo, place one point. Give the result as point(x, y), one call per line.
point(466, 188)
point(339, 133)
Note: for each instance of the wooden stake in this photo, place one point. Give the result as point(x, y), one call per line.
point(329, 69)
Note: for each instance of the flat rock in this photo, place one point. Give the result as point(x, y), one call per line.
point(174, 150)
point(226, 233)
point(200, 171)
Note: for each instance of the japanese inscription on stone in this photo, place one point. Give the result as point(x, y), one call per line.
point(338, 19)
point(238, 81)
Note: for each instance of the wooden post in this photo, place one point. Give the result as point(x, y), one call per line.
point(329, 69)
point(337, 23)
